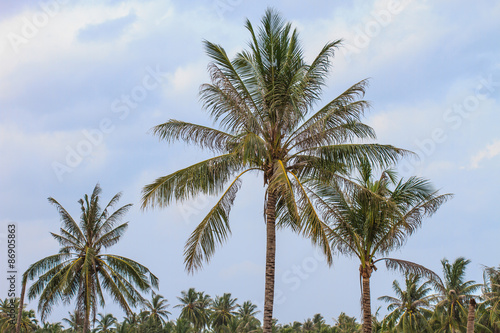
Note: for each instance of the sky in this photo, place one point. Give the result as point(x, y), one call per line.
point(83, 82)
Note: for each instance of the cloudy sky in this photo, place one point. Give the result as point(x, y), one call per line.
point(83, 82)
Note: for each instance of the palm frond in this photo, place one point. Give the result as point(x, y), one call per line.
point(212, 231)
point(409, 267)
point(207, 177)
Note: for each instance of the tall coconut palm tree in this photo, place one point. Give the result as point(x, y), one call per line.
point(262, 100)
point(410, 308)
point(369, 218)
point(81, 270)
point(453, 295)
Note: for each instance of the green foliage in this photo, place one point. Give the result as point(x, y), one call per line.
point(263, 101)
point(8, 317)
point(410, 308)
point(453, 294)
point(81, 270)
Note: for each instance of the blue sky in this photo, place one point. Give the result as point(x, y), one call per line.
point(82, 83)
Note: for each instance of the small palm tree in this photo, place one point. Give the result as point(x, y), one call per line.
point(51, 328)
point(183, 326)
point(75, 321)
point(490, 307)
point(318, 321)
point(453, 295)
point(262, 100)
point(246, 313)
point(156, 310)
point(195, 308)
point(223, 310)
point(346, 324)
point(105, 323)
point(81, 270)
point(410, 308)
point(370, 218)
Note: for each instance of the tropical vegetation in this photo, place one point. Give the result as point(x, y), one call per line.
point(321, 179)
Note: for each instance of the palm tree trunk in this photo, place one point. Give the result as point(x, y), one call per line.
point(270, 261)
point(21, 304)
point(471, 316)
point(366, 301)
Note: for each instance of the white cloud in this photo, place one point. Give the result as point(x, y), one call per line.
point(487, 153)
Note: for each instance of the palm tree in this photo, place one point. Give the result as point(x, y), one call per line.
point(156, 310)
point(51, 328)
point(410, 309)
point(318, 321)
point(182, 326)
point(75, 321)
point(80, 270)
point(195, 308)
point(262, 100)
point(247, 312)
point(453, 294)
point(371, 217)
point(105, 323)
point(223, 310)
point(346, 324)
point(490, 307)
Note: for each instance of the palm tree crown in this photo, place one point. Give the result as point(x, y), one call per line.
point(453, 294)
point(156, 310)
point(410, 308)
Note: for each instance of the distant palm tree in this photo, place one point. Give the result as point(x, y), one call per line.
point(51, 328)
point(490, 307)
point(183, 326)
point(318, 321)
point(453, 294)
point(346, 324)
point(410, 309)
point(247, 312)
point(105, 323)
point(308, 326)
point(75, 321)
point(223, 310)
point(262, 100)
point(370, 218)
point(131, 321)
point(80, 270)
point(194, 308)
point(156, 310)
